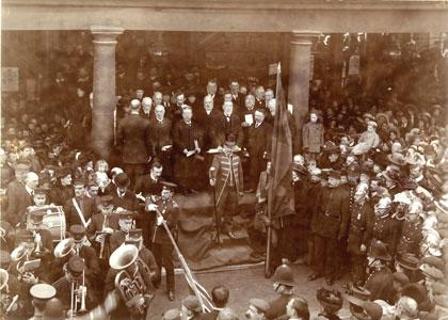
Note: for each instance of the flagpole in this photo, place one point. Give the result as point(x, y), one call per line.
point(267, 267)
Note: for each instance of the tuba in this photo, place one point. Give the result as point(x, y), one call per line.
point(131, 288)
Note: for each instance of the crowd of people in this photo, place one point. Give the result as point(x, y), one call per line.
point(87, 237)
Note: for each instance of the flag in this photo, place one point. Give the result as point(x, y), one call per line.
point(280, 192)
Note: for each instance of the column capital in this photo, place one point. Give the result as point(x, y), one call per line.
point(105, 35)
point(305, 37)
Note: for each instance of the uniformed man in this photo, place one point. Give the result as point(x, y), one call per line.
point(74, 289)
point(226, 176)
point(43, 237)
point(80, 208)
point(385, 227)
point(380, 277)
point(41, 293)
point(283, 283)
point(329, 228)
point(411, 231)
point(84, 250)
point(359, 233)
point(167, 212)
point(102, 226)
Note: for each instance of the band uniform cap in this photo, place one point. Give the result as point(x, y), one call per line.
point(42, 291)
point(104, 201)
point(168, 185)
point(122, 180)
point(135, 234)
point(434, 262)
point(260, 304)
point(125, 215)
point(192, 303)
point(76, 264)
point(401, 277)
point(77, 231)
point(171, 314)
point(408, 261)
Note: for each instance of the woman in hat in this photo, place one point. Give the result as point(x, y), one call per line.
point(368, 140)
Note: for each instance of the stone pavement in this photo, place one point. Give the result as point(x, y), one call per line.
point(243, 285)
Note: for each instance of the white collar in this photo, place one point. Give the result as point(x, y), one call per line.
point(29, 190)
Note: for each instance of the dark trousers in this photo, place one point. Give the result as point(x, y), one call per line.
point(358, 270)
point(163, 252)
point(134, 170)
point(228, 204)
point(325, 252)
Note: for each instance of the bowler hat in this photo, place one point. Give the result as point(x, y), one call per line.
point(122, 180)
point(408, 261)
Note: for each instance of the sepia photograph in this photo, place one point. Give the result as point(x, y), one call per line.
point(224, 160)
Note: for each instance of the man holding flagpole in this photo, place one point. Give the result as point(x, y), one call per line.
point(280, 193)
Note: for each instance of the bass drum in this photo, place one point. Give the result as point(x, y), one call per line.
point(54, 220)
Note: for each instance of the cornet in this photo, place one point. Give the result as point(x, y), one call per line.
point(64, 248)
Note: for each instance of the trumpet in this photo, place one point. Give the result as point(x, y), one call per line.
point(38, 252)
point(78, 295)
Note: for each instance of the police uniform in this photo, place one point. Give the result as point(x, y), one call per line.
point(359, 233)
point(328, 227)
point(387, 230)
point(411, 237)
point(41, 293)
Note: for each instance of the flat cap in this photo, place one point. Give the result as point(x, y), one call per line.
point(76, 264)
point(77, 231)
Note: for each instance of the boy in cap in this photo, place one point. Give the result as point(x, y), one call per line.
point(191, 308)
point(80, 208)
point(124, 197)
point(257, 309)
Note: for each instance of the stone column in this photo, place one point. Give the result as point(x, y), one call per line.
point(299, 77)
point(104, 95)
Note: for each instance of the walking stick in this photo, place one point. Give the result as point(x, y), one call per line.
point(215, 210)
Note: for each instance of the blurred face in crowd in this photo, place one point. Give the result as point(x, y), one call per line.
point(333, 157)
point(156, 172)
point(234, 87)
point(146, 104)
point(360, 193)
point(259, 93)
point(106, 209)
point(269, 94)
point(102, 180)
point(39, 199)
point(249, 101)
point(228, 107)
point(272, 106)
point(252, 313)
point(313, 117)
point(80, 93)
point(66, 180)
point(139, 94)
point(228, 97)
point(259, 116)
point(31, 180)
point(352, 179)
point(158, 98)
point(79, 190)
point(212, 87)
point(26, 152)
point(299, 159)
point(160, 112)
point(180, 99)
point(208, 103)
point(166, 194)
point(125, 224)
point(333, 182)
point(243, 90)
point(187, 114)
point(191, 99)
point(93, 191)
